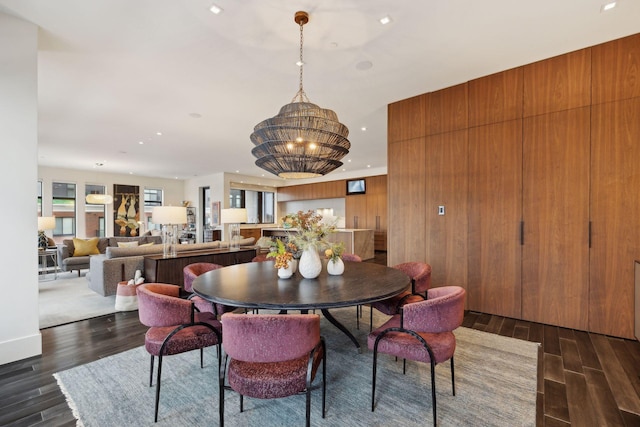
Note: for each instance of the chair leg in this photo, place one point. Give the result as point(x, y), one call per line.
point(373, 379)
point(404, 366)
point(151, 372)
point(370, 319)
point(155, 419)
point(453, 378)
point(241, 403)
point(308, 408)
point(201, 358)
point(324, 380)
point(433, 392)
point(358, 316)
point(221, 376)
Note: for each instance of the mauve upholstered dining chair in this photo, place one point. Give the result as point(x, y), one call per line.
point(262, 258)
point(420, 275)
point(175, 327)
point(194, 270)
point(423, 332)
point(272, 356)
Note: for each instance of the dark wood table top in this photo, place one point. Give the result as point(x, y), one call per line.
point(256, 285)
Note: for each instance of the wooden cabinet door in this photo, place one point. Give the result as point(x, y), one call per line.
point(356, 211)
point(446, 179)
point(495, 214)
point(555, 259)
point(406, 171)
point(615, 215)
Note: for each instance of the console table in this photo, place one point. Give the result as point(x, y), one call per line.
point(169, 270)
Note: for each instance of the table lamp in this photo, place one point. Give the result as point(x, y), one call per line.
point(233, 217)
point(45, 223)
point(169, 217)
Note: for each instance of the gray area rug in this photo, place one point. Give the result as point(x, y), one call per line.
point(69, 299)
point(495, 386)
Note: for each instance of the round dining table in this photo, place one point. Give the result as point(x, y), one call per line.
point(256, 285)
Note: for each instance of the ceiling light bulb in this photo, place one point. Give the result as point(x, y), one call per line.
point(313, 145)
point(299, 139)
point(290, 145)
point(215, 9)
point(385, 20)
point(608, 6)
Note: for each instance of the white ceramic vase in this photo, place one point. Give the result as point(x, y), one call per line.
point(310, 265)
point(285, 273)
point(335, 268)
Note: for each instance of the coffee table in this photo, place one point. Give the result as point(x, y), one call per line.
point(256, 285)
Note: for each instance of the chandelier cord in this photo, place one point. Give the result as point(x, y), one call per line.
point(300, 95)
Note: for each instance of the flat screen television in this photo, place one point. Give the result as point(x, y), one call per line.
point(356, 186)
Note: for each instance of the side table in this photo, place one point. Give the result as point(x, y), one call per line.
point(43, 255)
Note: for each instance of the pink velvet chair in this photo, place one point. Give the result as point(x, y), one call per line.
point(174, 327)
point(194, 270)
point(272, 356)
point(262, 258)
point(423, 332)
point(420, 274)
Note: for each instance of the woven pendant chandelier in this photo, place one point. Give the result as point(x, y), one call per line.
point(303, 140)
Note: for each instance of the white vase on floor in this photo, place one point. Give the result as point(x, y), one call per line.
point(335, 268)
point(310, 265)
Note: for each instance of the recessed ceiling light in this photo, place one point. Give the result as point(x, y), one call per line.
point(385, 20)
point(363, 128)
point(216, 9)
point(349, 161)
point(368, 166)
point(159, 133)
point(608, 6)
point(141, 142)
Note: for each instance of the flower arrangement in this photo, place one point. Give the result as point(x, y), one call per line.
point(310, 231)
point(280, 253)
point(334, 252)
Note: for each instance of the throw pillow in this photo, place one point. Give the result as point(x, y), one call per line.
point(85, 247)
point(127, 244)
point(147, 244)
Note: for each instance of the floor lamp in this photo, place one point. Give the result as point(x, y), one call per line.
point(169, 217)
point(233, 217)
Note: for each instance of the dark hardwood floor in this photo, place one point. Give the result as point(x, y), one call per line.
point(584, 379)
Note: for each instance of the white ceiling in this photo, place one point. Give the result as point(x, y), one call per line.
point(115, 72)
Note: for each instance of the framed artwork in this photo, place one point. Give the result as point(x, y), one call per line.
point(126, 210)
point(215, 214)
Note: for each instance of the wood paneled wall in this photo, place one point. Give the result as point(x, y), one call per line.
point(538, 170)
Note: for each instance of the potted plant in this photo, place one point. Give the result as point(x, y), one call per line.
point(283, 257)
point(335, 265)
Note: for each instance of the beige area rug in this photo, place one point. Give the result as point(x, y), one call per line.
point(69, 299)
point(495, 386)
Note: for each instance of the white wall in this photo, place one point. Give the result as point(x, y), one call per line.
point(173, 190)
point(19, 335)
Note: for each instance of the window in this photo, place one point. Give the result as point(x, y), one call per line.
point(39, 198)
point(152, 197)
point(94, 214)
point(64, 208)
point(259, 204)
point(206, 207)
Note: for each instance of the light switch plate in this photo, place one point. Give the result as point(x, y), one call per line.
point(440, 210)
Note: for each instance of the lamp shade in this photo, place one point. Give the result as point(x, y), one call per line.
point(99, 199)
point(46, 223)
point(233, 215)
point(169, 215)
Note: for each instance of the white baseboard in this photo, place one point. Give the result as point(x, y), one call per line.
point(20, 348)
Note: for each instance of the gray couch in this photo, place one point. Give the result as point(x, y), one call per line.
point(68, 262)
point(120, 264)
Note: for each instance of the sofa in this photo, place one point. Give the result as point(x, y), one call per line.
point(119, 264)
point(69, 259)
